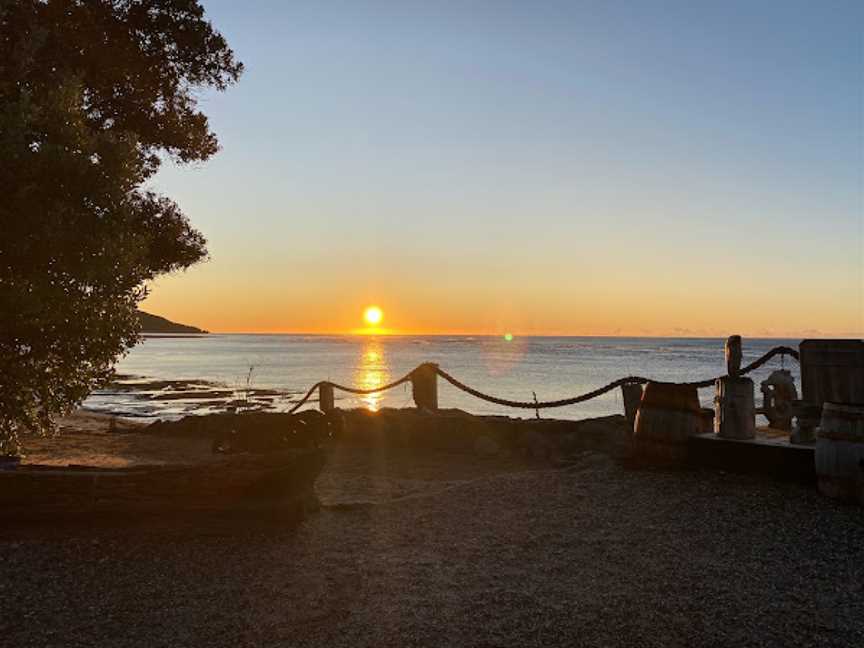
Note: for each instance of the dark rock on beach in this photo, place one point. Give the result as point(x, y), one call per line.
point(448, 430)
point(252, 431)
point(457, 431)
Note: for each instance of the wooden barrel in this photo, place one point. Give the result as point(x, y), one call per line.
point(840, 451)
point(668, 415)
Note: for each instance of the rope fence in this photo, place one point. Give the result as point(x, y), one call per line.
point(366, 392)
point(540, 404)
point(537, 405)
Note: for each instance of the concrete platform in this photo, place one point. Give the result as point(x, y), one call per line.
point(770, 456)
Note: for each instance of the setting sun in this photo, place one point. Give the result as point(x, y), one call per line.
point(373, 315)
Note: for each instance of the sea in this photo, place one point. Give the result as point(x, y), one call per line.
point(168, 377)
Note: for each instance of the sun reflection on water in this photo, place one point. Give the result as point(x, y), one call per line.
point(372, 372)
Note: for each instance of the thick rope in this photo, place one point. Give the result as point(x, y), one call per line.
point(630, 380)
point(350, 390)
point(365, 392)
point(542, 404)
point(780, 350)
point(303, 400)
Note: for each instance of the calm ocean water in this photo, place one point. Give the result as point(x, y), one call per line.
point(167, 377)
point(171, 376)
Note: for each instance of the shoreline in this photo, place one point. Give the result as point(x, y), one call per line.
point(272, 373)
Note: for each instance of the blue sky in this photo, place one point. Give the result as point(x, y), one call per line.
point(544, 167)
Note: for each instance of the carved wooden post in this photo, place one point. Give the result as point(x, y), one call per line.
point(631, 393)
point(733, 355)
point(326, 400)
point(734, 406)
point(424, 381)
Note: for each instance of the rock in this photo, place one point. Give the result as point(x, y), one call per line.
point(457, 431)
point(253, 431)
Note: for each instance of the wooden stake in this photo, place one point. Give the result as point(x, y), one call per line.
point(326, 400)
point(631, 394)
point(424, 381)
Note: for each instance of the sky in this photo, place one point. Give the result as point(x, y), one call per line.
point(539, 168)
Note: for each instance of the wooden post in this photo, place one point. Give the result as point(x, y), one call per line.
point(631, 393)
point(326, 400)
point(424, 382)
point(735, 409)
point(733, 355)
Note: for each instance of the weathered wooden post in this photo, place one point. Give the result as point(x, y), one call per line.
point(733, 353)
point(734, 404)
point(735, 409)
point(631, 393)
point(424, 382)
point(326, 400)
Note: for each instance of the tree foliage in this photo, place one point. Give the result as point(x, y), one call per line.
point(93, 95)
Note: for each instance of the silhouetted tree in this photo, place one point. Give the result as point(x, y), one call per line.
point(92, 94)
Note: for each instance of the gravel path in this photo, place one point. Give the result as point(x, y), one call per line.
point(592, 555)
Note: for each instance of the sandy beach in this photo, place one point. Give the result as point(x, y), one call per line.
point(435, 548)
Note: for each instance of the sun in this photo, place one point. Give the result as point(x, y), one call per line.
point(373, 315)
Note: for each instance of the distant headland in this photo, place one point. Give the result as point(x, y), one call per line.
point(156, 324)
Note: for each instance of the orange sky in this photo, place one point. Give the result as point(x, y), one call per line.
point(626, 301)
point(592, 168)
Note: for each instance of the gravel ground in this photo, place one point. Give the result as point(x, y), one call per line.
point(454, 551)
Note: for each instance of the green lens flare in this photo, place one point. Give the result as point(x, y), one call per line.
point(508, 337)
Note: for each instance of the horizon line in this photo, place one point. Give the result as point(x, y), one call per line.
point(388, 333)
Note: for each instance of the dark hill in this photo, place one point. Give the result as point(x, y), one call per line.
point(156, 324)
